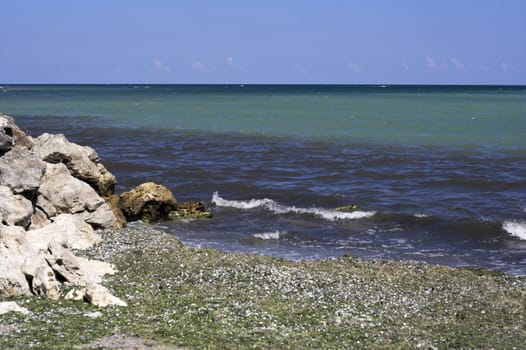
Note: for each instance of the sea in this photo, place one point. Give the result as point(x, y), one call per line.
point(438, 173)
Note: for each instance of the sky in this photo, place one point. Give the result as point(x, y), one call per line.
point(258, 42)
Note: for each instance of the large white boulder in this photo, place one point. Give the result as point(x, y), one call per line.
point(82, 161)
point(67, 230)
point(62, 193)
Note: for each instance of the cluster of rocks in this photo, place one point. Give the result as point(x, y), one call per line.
point(54, 195)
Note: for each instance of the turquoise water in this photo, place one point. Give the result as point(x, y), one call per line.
point(453, 116)
point(438, 172)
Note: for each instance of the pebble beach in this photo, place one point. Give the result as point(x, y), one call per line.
point(185, 297)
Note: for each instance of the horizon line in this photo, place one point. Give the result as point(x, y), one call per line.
point(269, 84)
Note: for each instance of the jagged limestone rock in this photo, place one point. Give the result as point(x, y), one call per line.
point(82, 161)
point(14, 209)
point(62, 193)
point(66, 229)
point(43, 280)
point(21, 170)
point(52, 188)
point(11, 135)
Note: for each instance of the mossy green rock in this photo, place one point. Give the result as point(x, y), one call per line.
point(346, 208)
point(192, 210)
point(147, 202)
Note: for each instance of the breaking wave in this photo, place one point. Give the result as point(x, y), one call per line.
point(515, 228)
point(267, 235)
point(275, 207)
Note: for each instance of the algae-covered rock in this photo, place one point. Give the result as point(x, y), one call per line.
point(192, 210)
point(147, 202)
point(347, 208)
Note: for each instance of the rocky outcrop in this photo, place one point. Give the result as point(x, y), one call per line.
point(50, 202)
point(54, 194)
point(147, 202)
point(43, 178)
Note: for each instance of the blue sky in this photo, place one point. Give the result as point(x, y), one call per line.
point(329, 41)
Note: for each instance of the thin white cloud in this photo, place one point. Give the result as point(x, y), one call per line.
point(234, 65)
point(405, 66)
point(457, 64)
point(356, 68)
point(159, 66)
point(431, 64)
point(199, 66)
point(504, 67)
point(301, 69)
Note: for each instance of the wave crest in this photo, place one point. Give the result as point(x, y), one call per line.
point(267, 235)
point(273, 206)
point(515, 228)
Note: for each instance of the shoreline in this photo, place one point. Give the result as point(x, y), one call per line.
point(179, 296)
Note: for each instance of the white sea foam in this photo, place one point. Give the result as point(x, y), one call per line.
point(277, 208)
point(250, 204)
point(267, 235)
point(515, 228)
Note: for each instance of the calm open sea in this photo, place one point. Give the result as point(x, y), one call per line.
point(438, 172)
